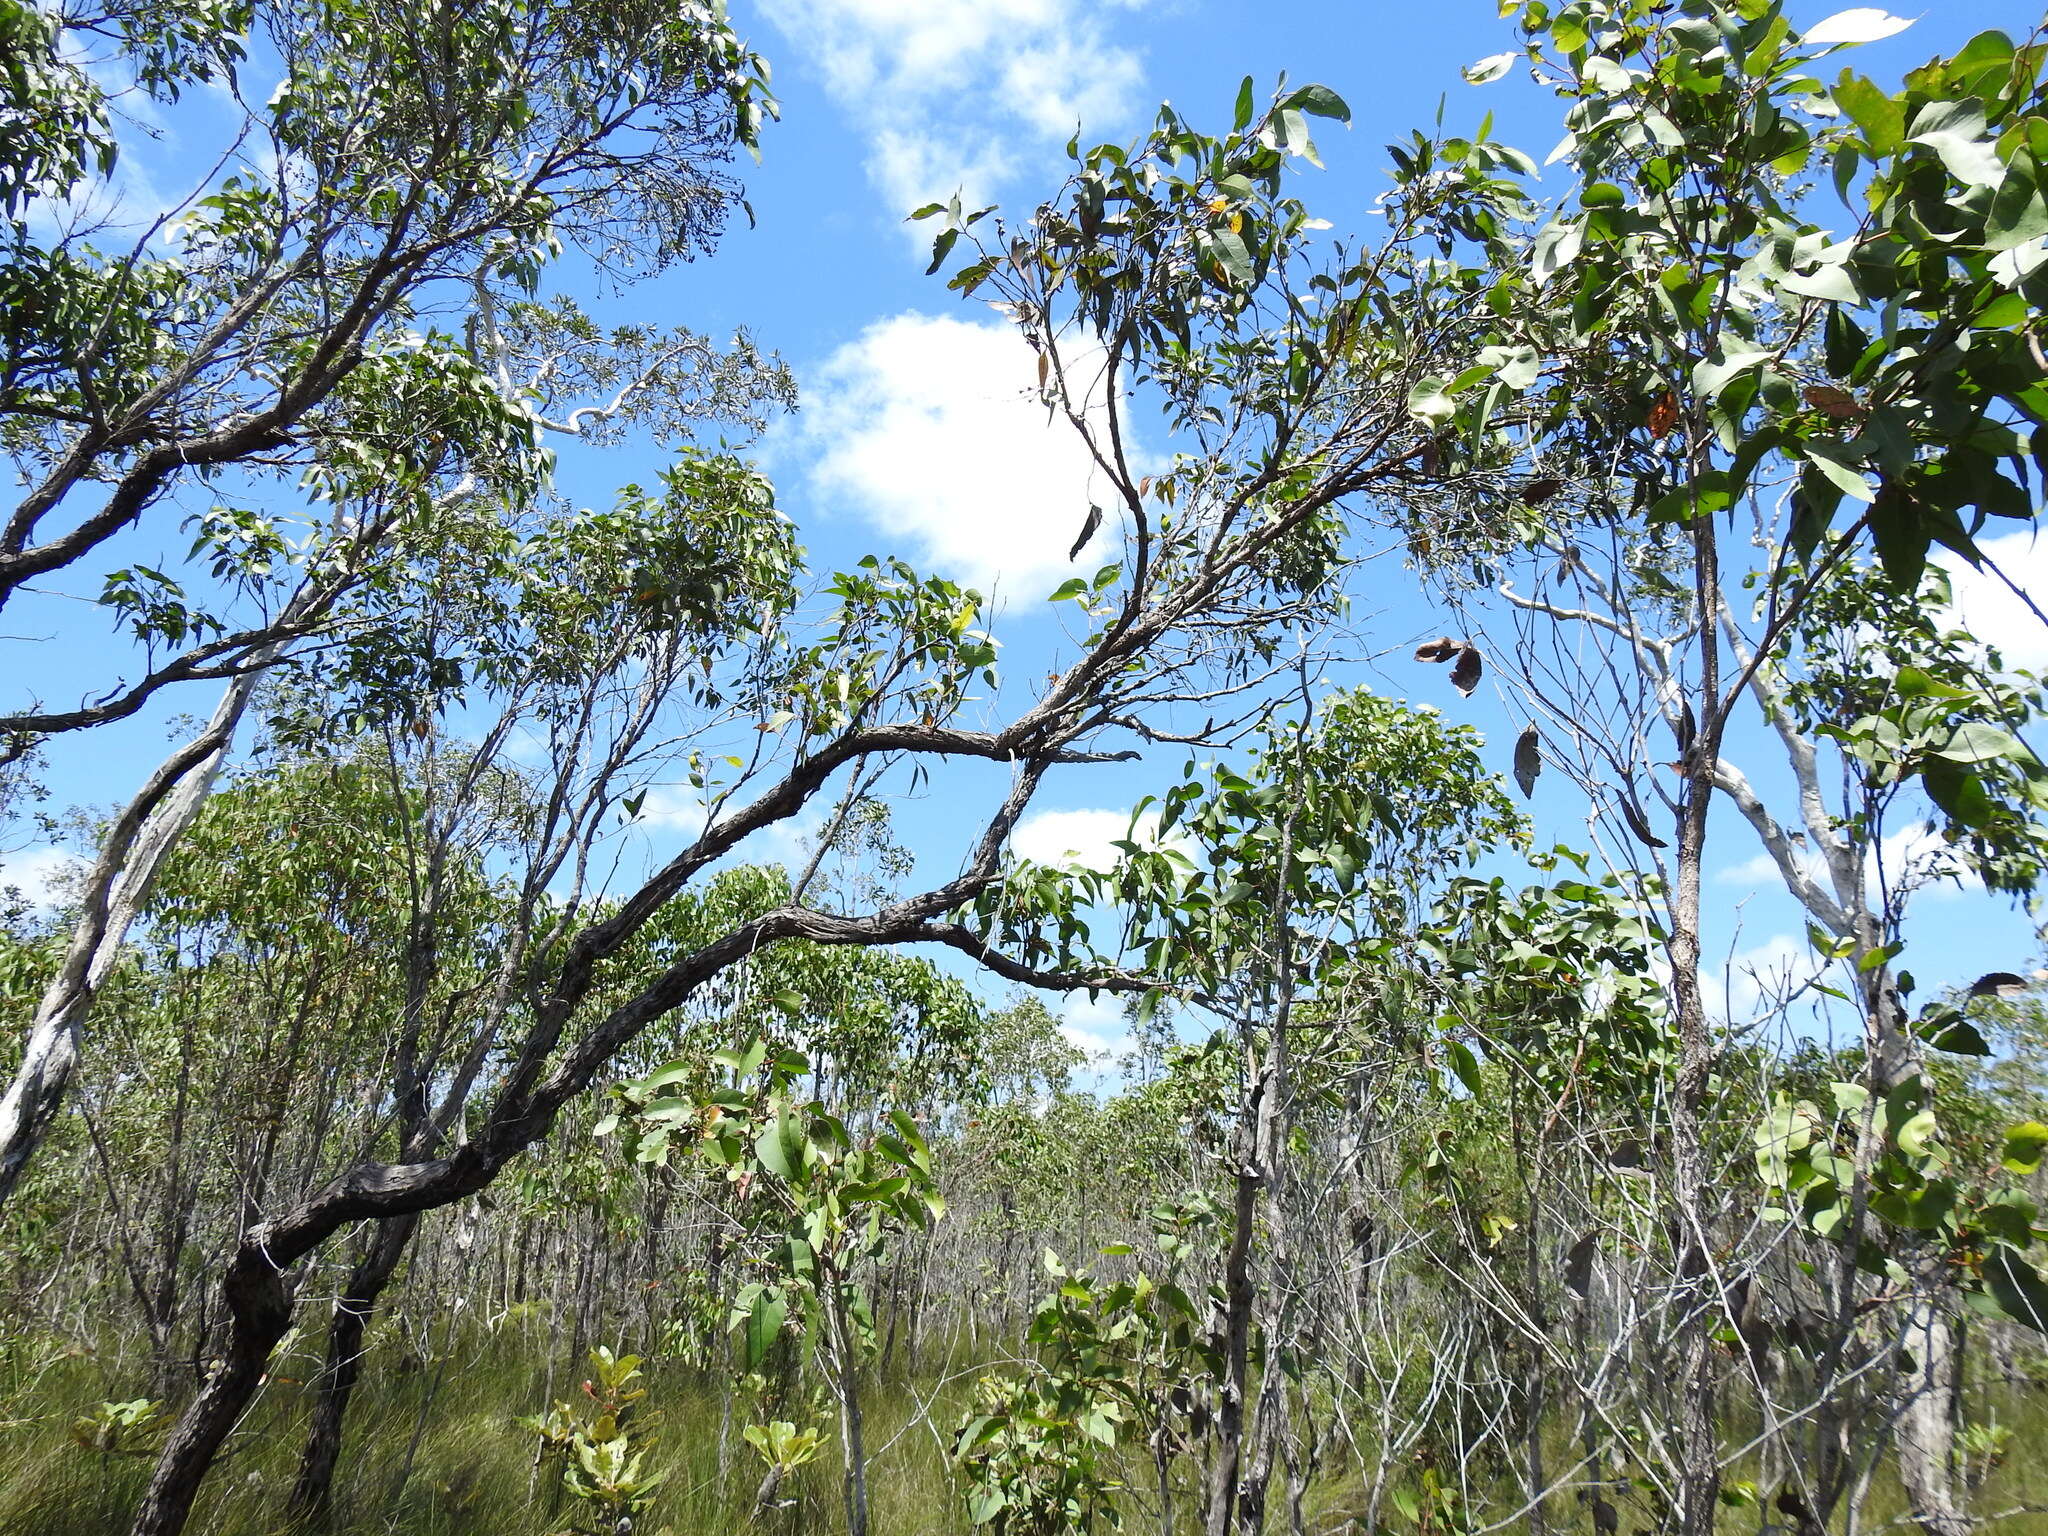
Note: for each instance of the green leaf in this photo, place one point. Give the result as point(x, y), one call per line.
point(1557, 245)
point(764, 1325)
point(1901, 537)
point(1490, 68)
point(1880, 119)
point(2017, 1288)
point(1320, 101)
point(1915, 683)
point(1713, 374)
point(1517, 367)
point(2025, 1144)
point(1605, 74)
point(1833, 461)
point(1246, 105)
point(778, 1147)
point(1833, 281)
point(1463, 1063)
point(1960, 1037)
point(1862, 24)
point(1428, 402)
point(2018, 213)
point(1975, 741)
point(1919, 1129)
point(1955, 130)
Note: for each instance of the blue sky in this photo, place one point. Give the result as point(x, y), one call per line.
point(913, 436)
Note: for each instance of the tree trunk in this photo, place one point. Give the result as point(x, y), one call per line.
point(851, 1430)
point(1925, 1434)
point(1259, 1137)
point(134, 849)
point(260, 1311)
point(384, 1247)
point(1699, 1475)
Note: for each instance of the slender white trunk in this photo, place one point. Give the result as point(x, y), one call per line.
point(132, 855)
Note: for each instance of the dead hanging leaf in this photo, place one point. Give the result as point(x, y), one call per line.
point(1044, 367)
point(1688, 728)
point(1537, 492)
point(1437, 650)
point(1094, 521)
point(1465, 675)
point(1578, 1266)
point(1998, 984)
point(1838, 404)
point(1528, 760)
point(1639, 824)
point(1664, 414)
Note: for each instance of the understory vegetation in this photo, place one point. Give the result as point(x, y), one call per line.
point(574, 1041)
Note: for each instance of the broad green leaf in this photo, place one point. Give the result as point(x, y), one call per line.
point(1490, 68)
point(1713, 374)
point(1833, 461)
point(1975, 741)
point(764, 1326)
point(1320, 101)
point(2018, 212)
point(1918, 1130)
point(1463, 1063)
point(1831, 280)
point(1878, 117)
point(1955, 131)
point(2017, 1288)
point(1605, 74)
point(2025, 1145)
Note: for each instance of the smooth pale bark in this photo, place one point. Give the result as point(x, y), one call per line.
point(1928, 1379)
point(131, 857)
point(1699, 1473)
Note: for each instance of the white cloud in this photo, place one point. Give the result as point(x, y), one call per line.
point(941, 86)
point(1989, 609)
point(930, 428)
point(1096, 1027)
point(1761, 872)
point(43, 875)
point(1915, 858)
point(1081, 838)
point(1759, 976)
point(673, 808)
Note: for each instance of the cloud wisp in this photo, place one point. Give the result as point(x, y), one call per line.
point(952, 96)
point(930, 429)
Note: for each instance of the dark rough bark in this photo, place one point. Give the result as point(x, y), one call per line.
point(259, 1301)
point(353, 1309)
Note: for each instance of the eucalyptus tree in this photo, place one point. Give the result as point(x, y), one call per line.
point(1195, 283)
point(1765, 293)
point(1266, 896)
point(262, 364)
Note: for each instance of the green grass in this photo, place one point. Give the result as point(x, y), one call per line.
point(433, 1450)
point(436, 1452)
